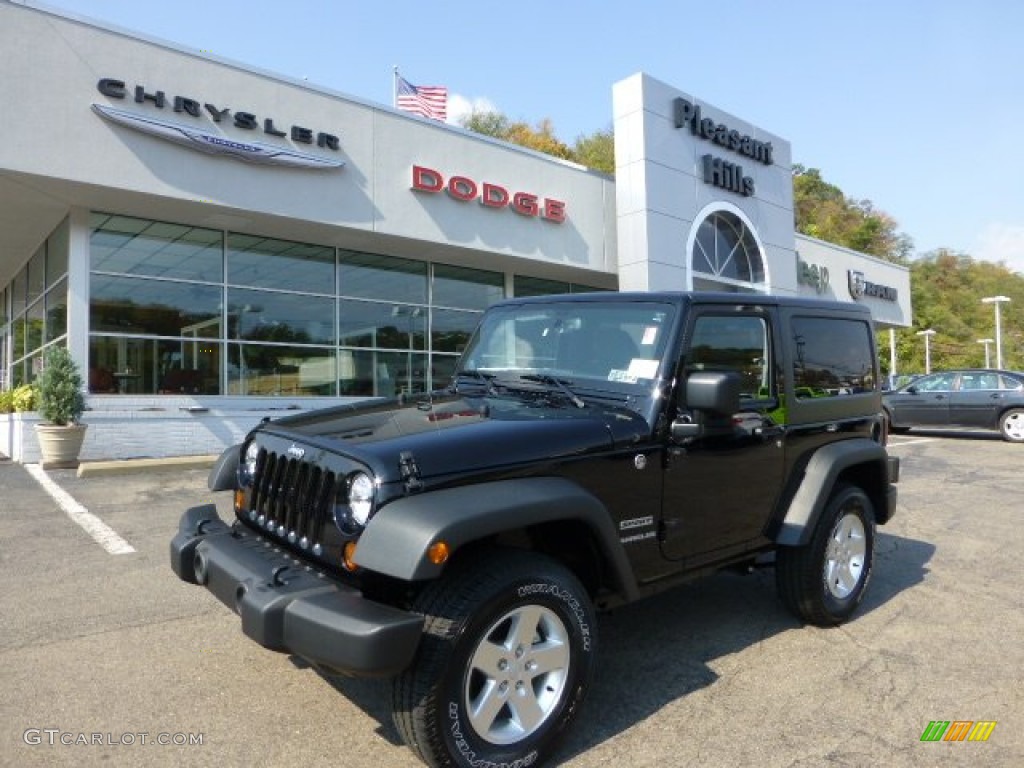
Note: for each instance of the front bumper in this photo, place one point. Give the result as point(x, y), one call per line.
point(287, 606)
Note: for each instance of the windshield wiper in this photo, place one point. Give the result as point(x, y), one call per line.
point(486, 378)
point(547, 378)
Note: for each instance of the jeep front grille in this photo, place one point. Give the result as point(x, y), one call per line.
point(292, 499)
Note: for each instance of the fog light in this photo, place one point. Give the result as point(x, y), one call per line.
point(438, 553)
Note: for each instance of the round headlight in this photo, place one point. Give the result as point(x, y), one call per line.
point(360, 497)
point(247, 469)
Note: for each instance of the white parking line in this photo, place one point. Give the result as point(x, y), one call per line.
point(901, 443)
point(101, 533)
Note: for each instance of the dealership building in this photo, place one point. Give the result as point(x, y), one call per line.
point(215, 243)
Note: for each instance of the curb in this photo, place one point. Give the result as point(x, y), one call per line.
point(125, 466)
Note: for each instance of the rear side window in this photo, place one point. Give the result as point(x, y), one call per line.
point(832, 357)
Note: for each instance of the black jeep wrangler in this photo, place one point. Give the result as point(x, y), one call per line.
point(590, 450)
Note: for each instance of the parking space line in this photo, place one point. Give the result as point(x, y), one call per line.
point(100, 532)
point(901, 443)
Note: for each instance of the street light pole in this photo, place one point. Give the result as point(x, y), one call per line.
point(927, 333)
point(997, 300)
point(986, 342)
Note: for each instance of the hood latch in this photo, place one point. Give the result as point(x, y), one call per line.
point(410, 472)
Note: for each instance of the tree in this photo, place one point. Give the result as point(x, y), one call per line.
point(824, 212)
point(596, 151)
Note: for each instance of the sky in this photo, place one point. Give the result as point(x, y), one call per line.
point(915, 105)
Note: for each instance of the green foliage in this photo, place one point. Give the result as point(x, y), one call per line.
point(24, 398)
point(60, 388)
point(493, 124)
point(596, 151)
point(946, 292)
point(824, 212)
point(18, 400)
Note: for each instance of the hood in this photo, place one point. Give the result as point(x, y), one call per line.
point(455, 434)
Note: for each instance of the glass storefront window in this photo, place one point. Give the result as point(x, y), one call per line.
point(263, 262)
point(383, 326)
point(35, 321)
point(156, 249)
point(153, 307)
point(371, 276)
point(280, 317)
point(18, 293)
point(132, 365)
point(537, 286)
point(57, 310)
point(466, 288)
point(381, 374)
point(36, 276)
point(442, 370)
point(57, 247)
point(451, 329)
point(264, 369)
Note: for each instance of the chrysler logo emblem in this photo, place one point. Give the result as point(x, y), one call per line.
point(214, 143)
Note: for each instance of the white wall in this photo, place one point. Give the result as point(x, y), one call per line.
point(661, 194)
point(838, 263)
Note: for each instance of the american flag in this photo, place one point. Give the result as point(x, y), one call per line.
point(423, 100)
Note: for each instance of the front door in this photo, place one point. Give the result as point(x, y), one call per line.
point(926, 402)
point(720, 488)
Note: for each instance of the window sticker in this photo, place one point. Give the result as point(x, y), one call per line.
point(643, 368)
point(650, 335)
point(624, 376)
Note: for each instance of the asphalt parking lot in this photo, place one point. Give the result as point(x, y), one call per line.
point(113, 651)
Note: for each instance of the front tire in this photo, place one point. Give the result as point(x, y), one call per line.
point(1011, 425)
point(505, 662)
point(824, 581)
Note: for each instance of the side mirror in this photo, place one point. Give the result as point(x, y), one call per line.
point(715, 391)
point(715, 395)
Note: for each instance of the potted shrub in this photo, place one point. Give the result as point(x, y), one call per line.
point(60, 404)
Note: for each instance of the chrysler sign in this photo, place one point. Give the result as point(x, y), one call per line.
point(201, 137)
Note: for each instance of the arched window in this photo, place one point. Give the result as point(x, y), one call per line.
point(726, 257)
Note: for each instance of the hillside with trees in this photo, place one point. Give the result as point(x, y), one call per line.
point(946, 287)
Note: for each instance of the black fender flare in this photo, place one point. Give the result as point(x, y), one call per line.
point(819, 478)
point(224, 472)
point(398, 536)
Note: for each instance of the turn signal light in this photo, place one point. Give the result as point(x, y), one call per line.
point(348, 556)
point(239, 499)
point(438, 552)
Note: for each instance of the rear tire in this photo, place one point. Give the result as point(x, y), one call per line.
point(1011, 425)
point(505, 662)
point(824, 581)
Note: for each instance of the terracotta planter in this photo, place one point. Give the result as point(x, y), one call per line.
point(60, 446)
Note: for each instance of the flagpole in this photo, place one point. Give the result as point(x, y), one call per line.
point(394, 88)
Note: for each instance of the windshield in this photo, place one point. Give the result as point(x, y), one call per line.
point(585, 344)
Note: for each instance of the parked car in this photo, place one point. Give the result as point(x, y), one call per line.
point(977, 397)
point(897, 380)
